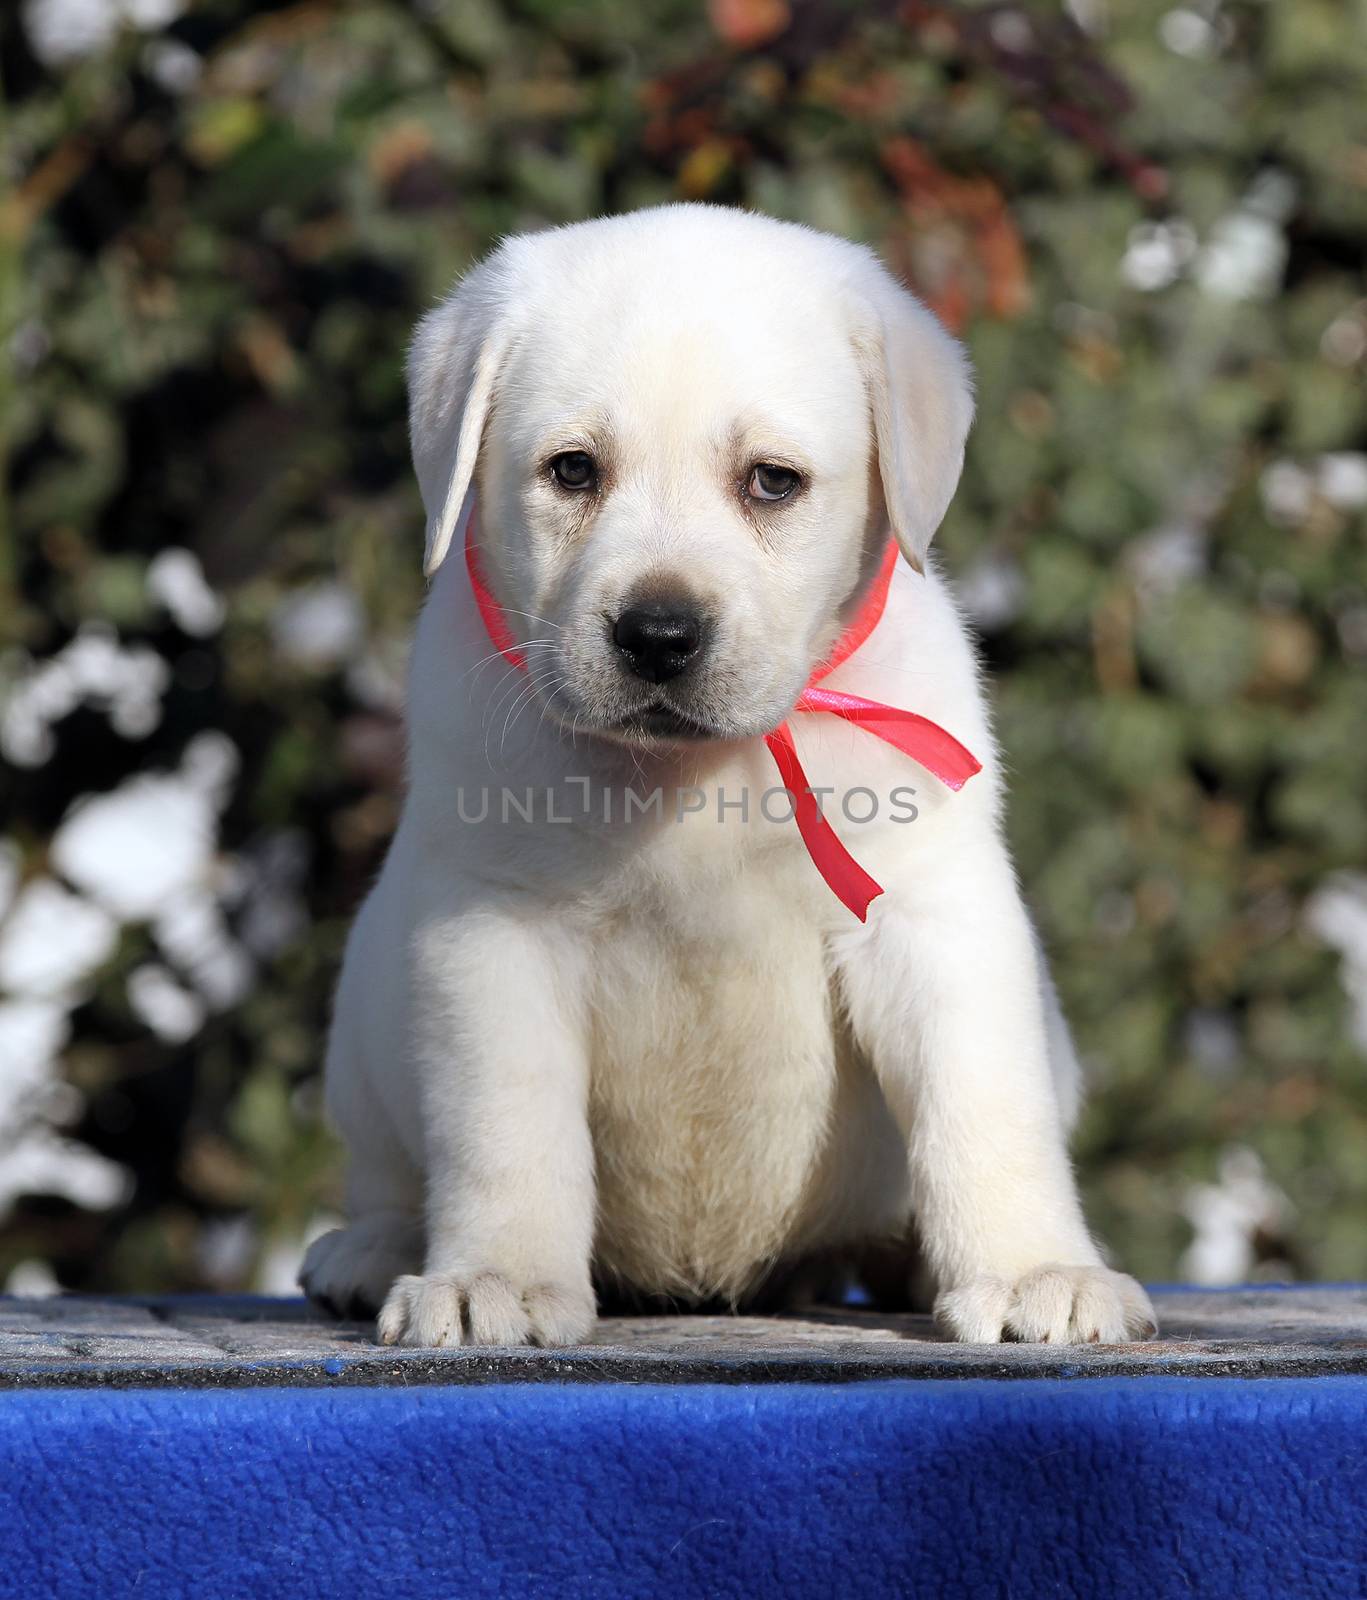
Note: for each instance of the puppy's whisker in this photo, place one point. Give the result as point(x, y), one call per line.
point(528, 691)
point(492, 712)
point(531, 616)
point(560, 682)
point(494, 655)
point(506, 687)
point(517, 680)
point(528, 688)
point(509, 673)
point(480, 665)
point(535, 683)
point(497, 655)
point(545, 713)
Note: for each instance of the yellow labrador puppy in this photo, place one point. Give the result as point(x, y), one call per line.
point(610, 1015)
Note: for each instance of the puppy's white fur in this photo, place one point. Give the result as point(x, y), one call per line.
point(659, 1049)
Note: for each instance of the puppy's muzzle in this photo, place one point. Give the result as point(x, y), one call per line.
point(659, 639)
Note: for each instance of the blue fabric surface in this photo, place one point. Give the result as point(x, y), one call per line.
point(1099, 1490)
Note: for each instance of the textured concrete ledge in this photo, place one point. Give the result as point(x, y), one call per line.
point(218, 1342)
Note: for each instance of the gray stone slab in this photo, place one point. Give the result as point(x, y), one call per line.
point(245, 1341)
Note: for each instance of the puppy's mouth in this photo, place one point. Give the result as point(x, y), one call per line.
point(659, 720)
point(655, 724)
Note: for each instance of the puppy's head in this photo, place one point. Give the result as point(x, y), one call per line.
point(688, 431)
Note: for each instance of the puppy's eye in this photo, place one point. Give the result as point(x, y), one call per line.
point(771, 483)
point(574, 470)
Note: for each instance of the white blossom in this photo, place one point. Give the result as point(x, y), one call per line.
point(319, 626)
point(1337, 914)
point(1156, 253)
point(173, 1013)
point(1227, 1217)
point(176, 579)
point(52, 941)
point(65, 31)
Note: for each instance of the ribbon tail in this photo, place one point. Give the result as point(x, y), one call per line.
point(924, 741)
point(847, 880)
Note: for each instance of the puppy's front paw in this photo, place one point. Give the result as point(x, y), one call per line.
point(484, 1308)
point(349, 1270)
point(1049, 1305)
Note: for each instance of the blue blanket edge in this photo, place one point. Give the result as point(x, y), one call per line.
point(1102, 1488)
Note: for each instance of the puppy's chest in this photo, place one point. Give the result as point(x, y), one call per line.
point(713, 1076)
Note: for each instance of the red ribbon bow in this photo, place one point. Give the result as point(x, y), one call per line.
point(920, 738)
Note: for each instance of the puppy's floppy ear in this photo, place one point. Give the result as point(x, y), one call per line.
point(921, 394)
point(456, 355)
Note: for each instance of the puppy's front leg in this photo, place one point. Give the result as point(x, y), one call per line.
point(510, 1191)
point(944, 993)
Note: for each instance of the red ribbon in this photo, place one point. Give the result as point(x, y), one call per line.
point(920, 738)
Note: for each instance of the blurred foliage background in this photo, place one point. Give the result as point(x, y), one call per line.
point(218, 223)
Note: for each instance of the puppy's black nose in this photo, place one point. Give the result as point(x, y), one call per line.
point(658, 638)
